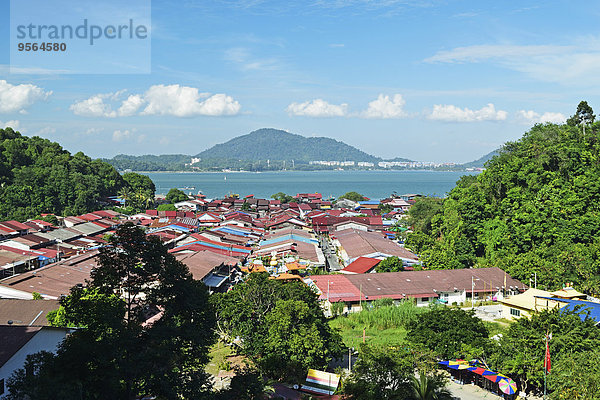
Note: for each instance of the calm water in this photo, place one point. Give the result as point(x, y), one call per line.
point(373, 184)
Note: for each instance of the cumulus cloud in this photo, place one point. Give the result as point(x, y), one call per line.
point(94, 107)
point(452, 113)
point(386, 107)
point(130, 105)
point(119, 135)
point(16, 98)
point(175, 100)
point(185, 101)
point(317, 108)
point(532, 117)
point(12, 124)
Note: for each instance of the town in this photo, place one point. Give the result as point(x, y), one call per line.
point(349, 251)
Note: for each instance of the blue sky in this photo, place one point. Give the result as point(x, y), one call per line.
point(428, 80)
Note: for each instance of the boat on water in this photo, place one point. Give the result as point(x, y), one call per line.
point(188, 188)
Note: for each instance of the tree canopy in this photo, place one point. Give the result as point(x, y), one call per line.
point(38, 176)
point(175, 196)
point(282, 197)
point(534, 209)
point(118, 352)
point(281, 325)
point(352, 196)
point(390, 264)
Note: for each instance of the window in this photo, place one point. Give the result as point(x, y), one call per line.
point(1, 387)
point(515, 312)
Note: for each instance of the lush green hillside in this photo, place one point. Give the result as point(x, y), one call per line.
point(165, 162)
point(39, 176)
point(480, 162)
point(274, 144)
point(536, 209)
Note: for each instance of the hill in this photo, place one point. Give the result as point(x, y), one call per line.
point(535, 209)
point(275, 144)
point(480, 162)
point(39, 176)
point(164, 162)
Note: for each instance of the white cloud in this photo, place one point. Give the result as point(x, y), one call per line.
point(184, 101)
point(119, 135)
point(175, 100)
point(130, 105)
point(12, 124)
point(48, 130)
point(16, 98)
point(574, 64)
point(384, 107)
point(317, 108)
point(92, 131)
point(452, 113)
point(94, 107)
point(531, 117)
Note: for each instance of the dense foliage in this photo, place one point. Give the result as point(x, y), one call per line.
point(520, 352)
point(282, 197)
point(352, 196)
point(39, 176)
point(175, 196)
point(535, 209)
point(164, 162)
point(444, 330)
point(281, 326)
point(389, 374)
point(390, 264)
point(118, 353)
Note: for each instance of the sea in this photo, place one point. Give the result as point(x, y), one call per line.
point(372, 184)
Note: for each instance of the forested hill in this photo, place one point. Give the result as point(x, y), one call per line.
point(275, 144)
point(480, 162)
point(39, 176)
point(536, 209)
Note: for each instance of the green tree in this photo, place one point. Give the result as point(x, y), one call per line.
point(353, 196)
point(282, 197)
point(390, 264)
point(175, 196)
point(117, 353)
point(246, 206)
point(282, 326)
point(520, 351)
point(430, 387)
point(385, 208)
point(443, 330)
point(386, 373)
point(583, 116)
point(166, 207)
point(575, 377)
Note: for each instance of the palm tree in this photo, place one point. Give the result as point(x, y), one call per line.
point(125, 194)
point(429, 388)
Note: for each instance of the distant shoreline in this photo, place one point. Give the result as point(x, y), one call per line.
point(299, 170)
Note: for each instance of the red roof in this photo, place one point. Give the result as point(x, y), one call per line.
point(362, 265)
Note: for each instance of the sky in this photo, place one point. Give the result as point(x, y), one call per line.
point(443, 81)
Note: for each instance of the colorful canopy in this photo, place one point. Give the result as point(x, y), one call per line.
point(508, 386)
point(456, 364)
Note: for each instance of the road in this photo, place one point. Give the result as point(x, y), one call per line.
point(329, 252)
point(471, 392)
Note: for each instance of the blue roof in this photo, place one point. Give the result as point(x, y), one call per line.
point(369, 202)
point(289, 236)
point(585, 309)
point(214, 280)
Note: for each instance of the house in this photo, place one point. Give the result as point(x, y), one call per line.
point(26, 312)
point(17, 342)
point(535, 300)
point(446, 286)
point(217, 271)
point(362, 265)
point(354, 243)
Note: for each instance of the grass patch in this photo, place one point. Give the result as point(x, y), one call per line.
point(385, 324)
point(218, 354)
